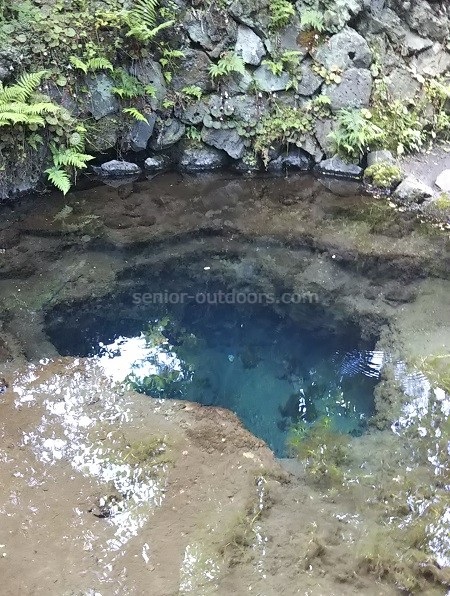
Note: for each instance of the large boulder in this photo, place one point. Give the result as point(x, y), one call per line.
point(212, 29)
point(253, 13)
point(101, 99)
point(412, 190)
point(425, 20)
point(268, 82)
point(196, 157)
point(401, 84)
point(249, 46)
point(227, 140)
point(433, 62)
point(346, 49)
point(148, 72)
point(353, 91)
point(117, 169)
point(193, 69)
point(167, 133)
point(141, 132)
point(336, 166)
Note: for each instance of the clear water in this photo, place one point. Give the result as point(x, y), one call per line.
point(252, 359)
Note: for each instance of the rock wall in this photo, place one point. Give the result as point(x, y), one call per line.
point(367, 42)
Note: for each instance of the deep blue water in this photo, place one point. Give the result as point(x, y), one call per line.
point(251, 359)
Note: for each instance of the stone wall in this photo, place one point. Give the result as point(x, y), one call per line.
point(366, 41)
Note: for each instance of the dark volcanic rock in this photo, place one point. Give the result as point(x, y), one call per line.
point(117, 169)
point(335, 166)
point(197, 157)
point(294, 159)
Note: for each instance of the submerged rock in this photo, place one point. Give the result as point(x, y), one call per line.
point(157, 163)
point(336, 166)
point(117, 169)
point(412, 190)
point(197, 157)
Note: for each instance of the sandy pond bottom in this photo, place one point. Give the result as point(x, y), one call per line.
point(114, 481)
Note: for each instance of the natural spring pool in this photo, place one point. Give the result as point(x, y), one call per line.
point(299, 309)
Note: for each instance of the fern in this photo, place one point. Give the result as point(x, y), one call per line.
point(281, 12)
point(193, 91)
point(23, 89)
point(136, 114)
point(142, 20)
point(356, 133)
point(312, 20)
point(92, 65)
point(71, 157)
point(228, 63)
point(59, 178)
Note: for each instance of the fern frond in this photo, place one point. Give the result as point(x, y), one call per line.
point(23, 89)
point(72, 158)
point(145, 11)
point(75, 61)
point(136, 114)
point(99, 63)
point(59, 178)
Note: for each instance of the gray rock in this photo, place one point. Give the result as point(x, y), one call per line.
point(149, 72)
point(412, 190)
point(197, 157)
point(167, 133)
point(102, 100)
point(310, 82)
point(433, 62)
point(287, 38)
point(237, 83)
point(382, 156)
point(293, 159)
point(401, 84)
point(322, 130)
point(443, 181)
point(253, 13)
point(141, 132)
point(226, 140)
point(423, 19)
point(353, 91)
point(212, 29)
point(194, 112)
point(105, 135)
point(249, 46)
point(346, 49)
point(311, 146)
point(193, 69)
point(414, 44)
point(157, 163)
point(117, 169)
point(336, 166)
point(248, 108)
point(341, 12)
point(269, 82)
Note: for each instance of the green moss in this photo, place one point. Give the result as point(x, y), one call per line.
point(383, 175)
point(324, 450)
point(442, 202)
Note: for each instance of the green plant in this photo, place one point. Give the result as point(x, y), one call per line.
point(135, 114)
point(228, 63)
point(383, 175)
point(330, 76)
point(323, 449)
point(24, 110)
point(91, 65)
point(288, 61)
point(285, 125)
point(281, 12)
point(193, 134)
point(128, 87)
point(142, 19)
point(192, 91)
point(355, 134)
point(312, 20)
point(401, 125)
